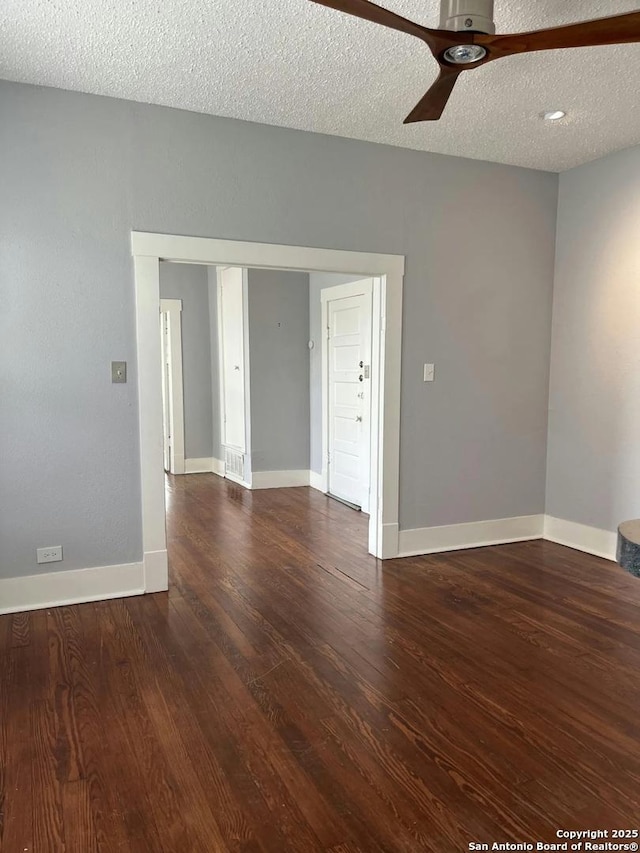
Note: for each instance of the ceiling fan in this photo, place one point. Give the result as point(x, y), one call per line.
point(466, 40)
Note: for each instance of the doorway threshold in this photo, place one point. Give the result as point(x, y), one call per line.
point(346, 503)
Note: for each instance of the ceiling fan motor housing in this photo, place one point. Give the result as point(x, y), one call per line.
point(469, 16)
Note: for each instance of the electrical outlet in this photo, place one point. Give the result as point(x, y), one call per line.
point(52, 554)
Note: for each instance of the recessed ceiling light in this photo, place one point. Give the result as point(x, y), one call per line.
point(553, 115)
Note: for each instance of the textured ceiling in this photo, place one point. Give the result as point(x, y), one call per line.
point(295, 64)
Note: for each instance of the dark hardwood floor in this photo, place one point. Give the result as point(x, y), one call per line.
point(291, 693)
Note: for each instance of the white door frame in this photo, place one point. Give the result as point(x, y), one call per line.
point(148, 250)
point(329, 294)
point(245, 449)
point(173, 308)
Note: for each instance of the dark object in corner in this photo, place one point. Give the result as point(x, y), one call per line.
point(628, 552)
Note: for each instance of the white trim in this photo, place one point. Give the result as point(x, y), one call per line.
point(219, 333)
point(245, 448)
point(234, 253)
point(244, 366)
point(205, 465)
point(75, 586)
point(316, 481)
point(389, 541)
point(156, 571)
point(247, 467)
point(173, 307)
point(279, 479)
point(478, 534)
point(148, 249)
point(154, 537)
point(384, 541)
point(591, 540)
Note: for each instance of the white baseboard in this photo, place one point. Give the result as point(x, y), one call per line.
point(75, 586)
point(390, 548)
point(316, 481)
point(156, 571)
point(279, 479)
point(206, 465)
point(592, 540)
point(455, 537)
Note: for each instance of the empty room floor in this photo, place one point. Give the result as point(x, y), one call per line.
point(291, 693)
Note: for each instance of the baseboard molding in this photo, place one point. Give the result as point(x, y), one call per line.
point(75, 586)
point(206, 465)
point(390, 545)
point(455, 537)
point(156, 571)
point(478, 534)
point(591, 540)
point(316, 481)
point(279, 479)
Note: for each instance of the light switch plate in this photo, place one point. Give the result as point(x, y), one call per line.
point(429, 372)
point(118, 371)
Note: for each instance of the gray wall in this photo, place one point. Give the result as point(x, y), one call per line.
point(318, 281)
point(189, 283)
point(279, 370)
point(593, 470)
point(78, 172)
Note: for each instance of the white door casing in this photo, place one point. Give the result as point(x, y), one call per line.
point(232, 366)
point(347, 317)
point(166, 389)
point(148, 249)
point(172, 385)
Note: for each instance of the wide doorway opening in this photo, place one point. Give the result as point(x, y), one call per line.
point(296, 386)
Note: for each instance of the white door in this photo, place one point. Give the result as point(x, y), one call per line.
point(348, 391)
point(232, 360)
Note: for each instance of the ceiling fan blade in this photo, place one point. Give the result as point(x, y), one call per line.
point(378, 15)
point(431, 107)
point(621, 29)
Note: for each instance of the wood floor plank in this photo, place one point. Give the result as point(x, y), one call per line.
point(291, 694)
point(100, 783)
point(20, 630)
point(212, 805)
point(48, 824)
point(80, 831)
